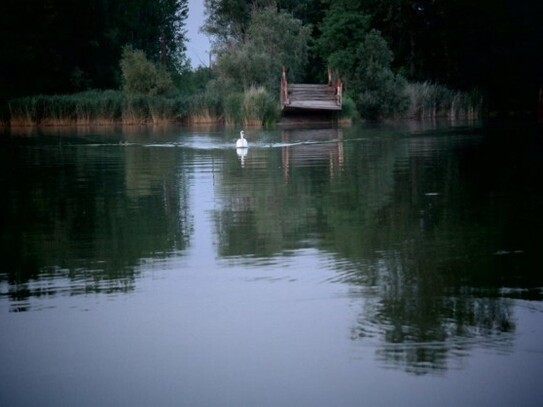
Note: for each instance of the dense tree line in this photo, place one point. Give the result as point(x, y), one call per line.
point(56, 46)
point(64, 46)
point(490, 45)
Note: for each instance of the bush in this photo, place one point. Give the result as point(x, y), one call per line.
point(377, 91)
point(348, 108)
point(143, 76)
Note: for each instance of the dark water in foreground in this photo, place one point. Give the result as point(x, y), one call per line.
point(369, 266)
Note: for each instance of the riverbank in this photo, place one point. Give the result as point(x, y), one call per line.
point(254, 107)
point(96, 108)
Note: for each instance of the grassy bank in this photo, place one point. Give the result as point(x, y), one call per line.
point(254, 107)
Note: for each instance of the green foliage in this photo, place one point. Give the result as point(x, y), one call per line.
point(97, 108)
point(92, 107)
point(233, 108)
point(143, 76)
point(377, 91)
point(363, 60)
point(260, 107)
point(59, 46)
point(253, 107)
point(348, 108)
point(205, 107)
point(283, 38)
point(190, 82)
point(227, 20)
point(272, 39)
point(342, 32)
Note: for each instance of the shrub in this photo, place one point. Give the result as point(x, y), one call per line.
point(377, 91)
point(143, 76)
point(348, 108)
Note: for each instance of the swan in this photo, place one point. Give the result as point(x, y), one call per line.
point(241, 143)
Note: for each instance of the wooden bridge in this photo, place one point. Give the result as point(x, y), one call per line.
point(303, 97)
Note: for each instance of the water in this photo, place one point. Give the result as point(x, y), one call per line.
point(376, 265)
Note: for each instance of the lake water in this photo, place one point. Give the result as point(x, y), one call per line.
point(364, 266)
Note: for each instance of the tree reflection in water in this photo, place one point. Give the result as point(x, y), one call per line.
point(415, 235)
point(430, 233)
point(82, 211)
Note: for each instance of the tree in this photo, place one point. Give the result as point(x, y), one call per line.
point(272, 39)
point(157, 27)
point(377, 91)
point(363, 60)
point(59, 46)
point(342, 32)
point(227, 20)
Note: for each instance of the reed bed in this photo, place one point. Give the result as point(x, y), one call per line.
point(430, 101)
point(204, 109)
point(254, 107)
point(259, 107)
point(233, 109)
point(96, 108)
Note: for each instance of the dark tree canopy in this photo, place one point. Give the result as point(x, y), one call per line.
point(55, 46)
point(68, 45)
point(493, 46)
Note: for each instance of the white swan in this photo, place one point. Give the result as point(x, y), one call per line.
point(241, 143)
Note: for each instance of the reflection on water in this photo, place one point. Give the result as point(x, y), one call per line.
point(432, 232)
point(78, 219)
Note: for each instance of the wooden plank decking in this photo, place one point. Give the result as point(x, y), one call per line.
point(311, 97)
point(300, 97)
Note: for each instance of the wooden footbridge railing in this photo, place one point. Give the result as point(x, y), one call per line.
point(302, 97)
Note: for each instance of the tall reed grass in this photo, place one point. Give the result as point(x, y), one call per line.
point(233, 109)
point(204, 108)
point(259, 107)
point(430, 101)
point(96, 108)
point(254, 107)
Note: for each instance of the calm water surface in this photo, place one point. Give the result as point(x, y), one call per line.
point(364, 266)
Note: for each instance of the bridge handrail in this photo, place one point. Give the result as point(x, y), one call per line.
point(335, 81)
point(284, 87)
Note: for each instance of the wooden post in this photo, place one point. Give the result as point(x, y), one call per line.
point(284, 88)
point(339, 92)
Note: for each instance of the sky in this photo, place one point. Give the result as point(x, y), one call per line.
point(198, 43)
